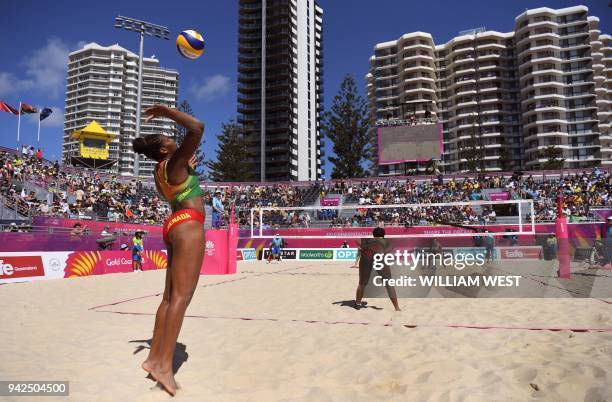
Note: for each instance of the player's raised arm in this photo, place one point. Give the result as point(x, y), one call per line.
point(195, 130)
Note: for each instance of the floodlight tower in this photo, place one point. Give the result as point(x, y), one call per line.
point(142, 27)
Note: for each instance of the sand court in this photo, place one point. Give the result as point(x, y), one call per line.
point(288, 331)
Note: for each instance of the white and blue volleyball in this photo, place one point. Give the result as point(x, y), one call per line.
point(190, 44)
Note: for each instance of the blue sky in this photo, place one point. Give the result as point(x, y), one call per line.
point(37, 36)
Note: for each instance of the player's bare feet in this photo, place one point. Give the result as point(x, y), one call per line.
point(165, 379)
point(148, 366)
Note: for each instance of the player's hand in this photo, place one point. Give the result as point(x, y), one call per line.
point(156, 111)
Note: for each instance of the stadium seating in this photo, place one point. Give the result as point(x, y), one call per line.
point(30, 187)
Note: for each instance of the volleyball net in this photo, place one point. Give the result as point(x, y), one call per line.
point(451, 219)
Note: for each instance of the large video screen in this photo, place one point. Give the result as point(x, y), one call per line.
point(409, 143)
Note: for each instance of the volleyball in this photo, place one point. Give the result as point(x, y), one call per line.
point(190, 44)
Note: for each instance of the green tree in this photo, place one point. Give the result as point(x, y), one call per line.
point(181, 132)
point(346, 125)
point(554, 157)
point(231, 162)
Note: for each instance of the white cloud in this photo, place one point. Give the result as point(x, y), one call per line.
point(44, 68)
point(213, 87)
point(10, 84)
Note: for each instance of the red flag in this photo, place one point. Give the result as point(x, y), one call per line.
point(5, 107)
point(28, 109)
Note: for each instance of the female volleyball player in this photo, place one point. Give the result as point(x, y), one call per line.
point(368, 248)
point(183, 234)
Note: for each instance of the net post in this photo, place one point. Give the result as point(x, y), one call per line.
point(520, 215)
point(532, 212)
point(252, 222)
point(260, 222)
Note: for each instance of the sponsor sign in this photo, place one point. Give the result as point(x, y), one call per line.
point(520, 253)
point(86, 263)
point(13, 267)
point(316, 254)
point(328, 202)
point(501, 196)
point(286, 254)
point(345, 254)
point(248, 254)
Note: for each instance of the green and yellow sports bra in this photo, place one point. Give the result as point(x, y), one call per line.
point(177, 193)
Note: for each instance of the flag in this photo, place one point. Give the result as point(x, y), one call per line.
point(46, 112)
point(5, 107)
point(28, 109)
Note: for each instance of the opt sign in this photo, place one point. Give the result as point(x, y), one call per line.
point(346, 254)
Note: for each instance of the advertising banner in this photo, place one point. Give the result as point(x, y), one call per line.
point(328, 202)
point(345, 254)
point(286, 254)
point(501, 196)
point(520, 253)
point(72, 264)
point(248, 254)
point(316, 254)
point(85, 263)
point(17, 267)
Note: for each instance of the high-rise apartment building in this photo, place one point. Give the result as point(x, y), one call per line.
point(280, 87)
point(508, 97)
point(102, 85)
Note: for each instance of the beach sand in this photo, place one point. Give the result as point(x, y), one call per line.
point(288, 332)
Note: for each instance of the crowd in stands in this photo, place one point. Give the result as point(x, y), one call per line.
point(80, 194)
point(581, 193)
point(246, 197)
point(85, 194)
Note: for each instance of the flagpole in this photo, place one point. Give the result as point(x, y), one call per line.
point(18, 126)
point(38, 136)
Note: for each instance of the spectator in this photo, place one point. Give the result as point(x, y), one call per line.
point(77, 229)
point(137, 250)
point(106, 231)
point(137, 239)
point(551, 247)
point(489, 242)
point(217, 213)
point(80, 195)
